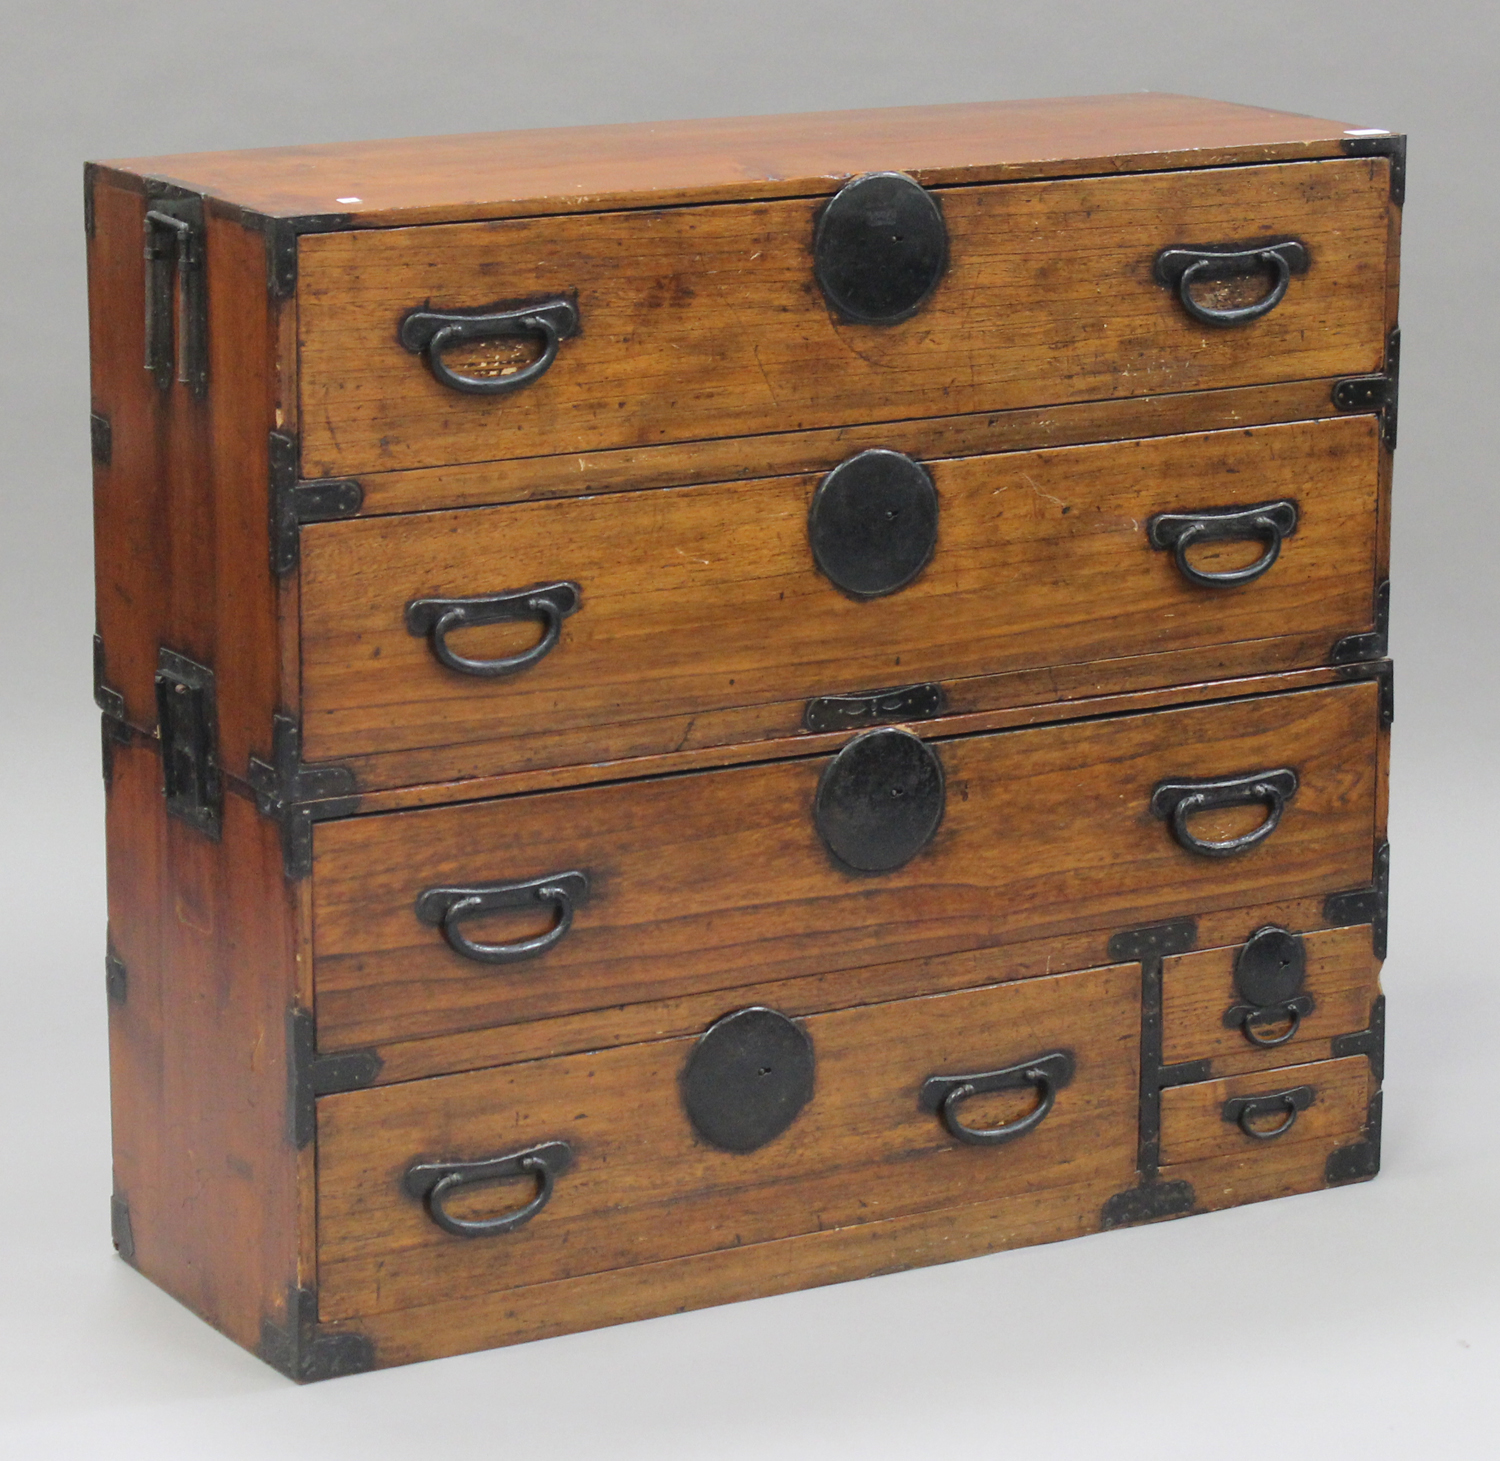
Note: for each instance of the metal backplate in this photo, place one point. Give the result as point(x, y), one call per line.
point(747, 1079)
point(1269, 969)
point(880, 248)
point(880, 800)
point(873, 523)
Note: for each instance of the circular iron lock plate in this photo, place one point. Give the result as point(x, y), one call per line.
point(873, 523)
point(1270, 968)
point(747, 1079)
point(880, 800)
point(880, 248)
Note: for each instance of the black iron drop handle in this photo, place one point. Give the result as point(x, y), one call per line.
point(1186, 265)
point(1176, 801)
point(1243, 1017)
point(1269, 522)
point(1046, 1074)
point(446, 908)
point(548, 603)
point(1242, 1110)
point(436, 331)
point(433, 1183)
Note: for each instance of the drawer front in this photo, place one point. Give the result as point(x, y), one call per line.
point(643, 1183)
point(1281, 997)
point(708, 322)
point(703, 599)
point(1271, 1110)
point(716, 879)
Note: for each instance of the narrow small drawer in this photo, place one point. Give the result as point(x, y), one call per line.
point(450, 644)
point(1281, 996)
point(762, 1127)
point(1271, 1109)
point(481, 341)
point(488, 913)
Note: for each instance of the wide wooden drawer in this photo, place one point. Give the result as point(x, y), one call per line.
point(642, 1179)
point(1279, 998)
point(709, 598)
point(652, 888)
point(708, 322)
point(1269, 1110)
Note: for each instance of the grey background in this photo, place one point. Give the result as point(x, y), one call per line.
point(1361, 1322)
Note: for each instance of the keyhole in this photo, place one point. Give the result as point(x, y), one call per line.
point(891, 514)
point(764, 1070)
point(898, 791)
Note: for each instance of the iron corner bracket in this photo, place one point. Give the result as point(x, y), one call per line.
point(296, 795)
point(1383, 673)
point(101, 438)
point(1375, 644)
point(310, 1075)
point(106, 697)
point(294, 503)
point(1391, 145)
point(1359, 1161)
point(1379, 393)
point(281, 235)
point(90, 177)
point(116, 976)
point(1365, 905)
point(1148, 1203)
point(1369, 1042)
point(304, 1350)
point(121, 1234)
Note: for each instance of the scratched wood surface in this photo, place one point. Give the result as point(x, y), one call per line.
point(707, 322)
point(1342, 977)
point(560, 169)
point(716, 879)
point(1193, 1127)
point(703, 599)
point(644, 1186)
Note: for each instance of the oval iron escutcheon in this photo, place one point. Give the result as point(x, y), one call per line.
point(1270, 968)
point(873, 523)
point(880, 800)
point(880, 248)
point(747, 1079)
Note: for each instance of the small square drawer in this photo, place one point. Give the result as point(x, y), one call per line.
point(1280, 996)
point(1273, 1109)
point(762, 1127)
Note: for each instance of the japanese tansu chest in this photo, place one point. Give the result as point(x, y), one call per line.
point(697, 710)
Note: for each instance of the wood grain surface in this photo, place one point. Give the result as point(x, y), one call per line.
point(1342, 977)
point(198, 1056)
point(783, 453)
point(644, 1186)
point(703, 599)
point(558, 169)
point(624, 1024)
point(1193, 1127)
point(706, 322)
point(716, 879)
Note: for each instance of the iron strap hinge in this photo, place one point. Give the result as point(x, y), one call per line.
point(296, 795)
point(176, 250)
point(294, 503)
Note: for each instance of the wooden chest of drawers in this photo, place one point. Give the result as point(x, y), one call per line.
point(697, 710)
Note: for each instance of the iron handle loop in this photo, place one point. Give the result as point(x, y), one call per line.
point(1241, 1110)
point(1270, 522)
point(1243, 1017)
point(1183, 266)
point(446, 909)
point(944, 1094)
point(1244, 313)
point(433, 1183)
point(1177, 801)
point(437, 331)
point(549, 604)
